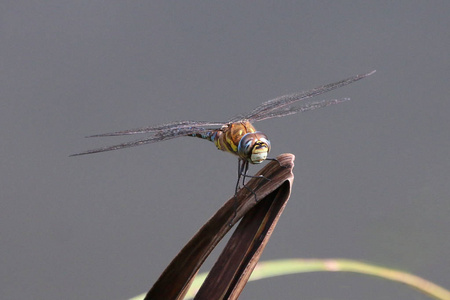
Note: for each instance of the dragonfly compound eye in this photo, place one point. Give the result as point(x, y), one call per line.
point(254, 147)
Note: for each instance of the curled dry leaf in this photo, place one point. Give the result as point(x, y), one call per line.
point(234, 266)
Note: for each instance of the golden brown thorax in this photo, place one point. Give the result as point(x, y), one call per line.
point(227, 139)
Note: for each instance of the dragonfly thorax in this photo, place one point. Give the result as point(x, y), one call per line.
point(241, 139)
point(254, 147)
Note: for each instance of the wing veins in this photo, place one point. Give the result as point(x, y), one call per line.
point(162, 128)
point(264, 110)
point(157, 137)
point(286, 111)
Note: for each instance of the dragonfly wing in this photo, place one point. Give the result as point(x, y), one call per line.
point(264, 110)
point(286, 111)
point(121, 146)
point(163, 128)
point(162, 135)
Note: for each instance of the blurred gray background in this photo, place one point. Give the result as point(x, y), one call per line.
point(372, 174)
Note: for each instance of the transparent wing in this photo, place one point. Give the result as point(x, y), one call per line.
point(286, 111)
point(281, 106)
point(158, 133)
point(167, 127)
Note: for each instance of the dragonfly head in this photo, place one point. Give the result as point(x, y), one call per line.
point(254, 147)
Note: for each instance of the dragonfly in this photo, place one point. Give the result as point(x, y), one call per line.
point(237, 135)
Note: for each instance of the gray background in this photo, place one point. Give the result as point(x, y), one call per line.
point(372, 174)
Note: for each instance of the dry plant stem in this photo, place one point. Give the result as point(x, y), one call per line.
point(230, 274)
point(176, 279)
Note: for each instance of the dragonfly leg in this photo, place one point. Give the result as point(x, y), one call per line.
point(242, 166)
point(245, 175)
point(243, 169)
point(242, 173)
point(274, 159)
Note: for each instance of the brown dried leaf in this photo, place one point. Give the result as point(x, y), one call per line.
point(233, 268)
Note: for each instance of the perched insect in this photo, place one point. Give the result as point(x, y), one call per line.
point(237, 136)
